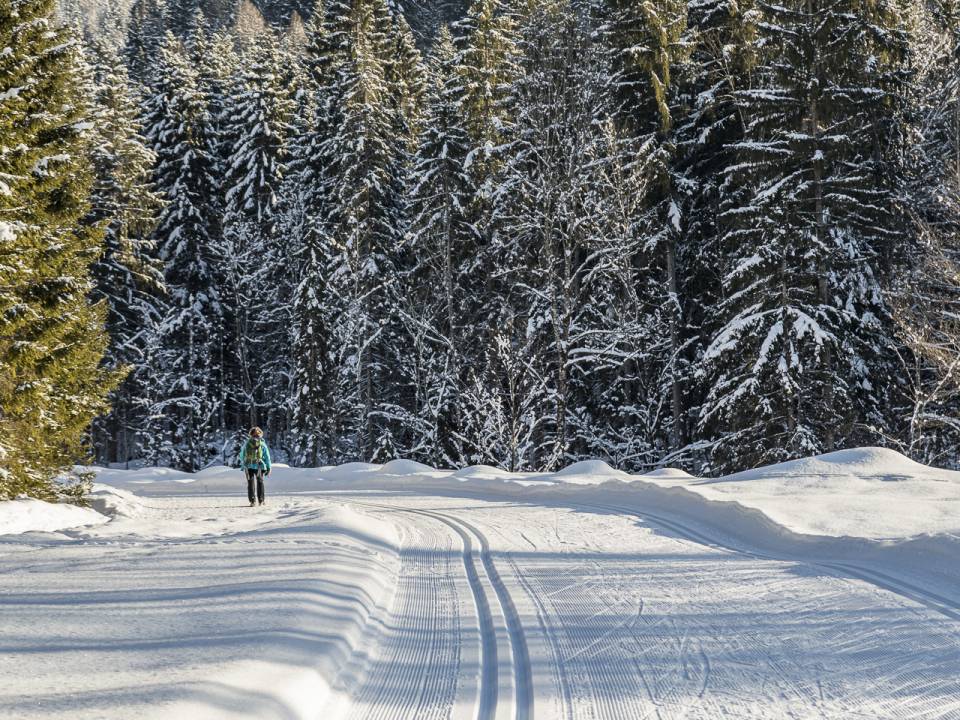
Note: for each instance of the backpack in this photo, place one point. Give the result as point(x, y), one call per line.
point(253, 453)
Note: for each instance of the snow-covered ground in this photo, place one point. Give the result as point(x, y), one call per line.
point(824, 588)
point(867, 492)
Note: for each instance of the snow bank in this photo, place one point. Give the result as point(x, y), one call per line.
point(870, 508)
point(865, 492)
point(588, 471)
point(670, 474)
point(860, 462)
point(114, 502)
point(248, 613)
point(406, 467)
point(28, 515)
point(869, 504)
point(481, 472)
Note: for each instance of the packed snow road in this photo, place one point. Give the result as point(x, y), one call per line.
point(400, 605)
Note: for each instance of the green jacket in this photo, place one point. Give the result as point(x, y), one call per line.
point(264, 462)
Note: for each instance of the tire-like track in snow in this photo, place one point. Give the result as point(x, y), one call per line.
point(489, 693)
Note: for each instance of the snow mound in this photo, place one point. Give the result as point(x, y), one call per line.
point(596, 468)
point(670, 473)
point(349, 518)
point(865, 492)
point(216, 471)
point(349, 471)
point(863, 462)
point(29, 515)
point(481, 472)
point(147, 475)
point(406, 467)
point(115, 502)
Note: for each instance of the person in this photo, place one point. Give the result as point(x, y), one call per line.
point(254, 458)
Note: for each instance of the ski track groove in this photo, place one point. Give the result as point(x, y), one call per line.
point(523, 684)
point(416, 656)
point(559, 667)
point(929, 599)
point(633, 684)
point(518, 652)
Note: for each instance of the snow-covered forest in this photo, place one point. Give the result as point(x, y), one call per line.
point(713, 234)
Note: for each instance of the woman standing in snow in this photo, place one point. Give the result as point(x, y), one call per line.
point(254, 458)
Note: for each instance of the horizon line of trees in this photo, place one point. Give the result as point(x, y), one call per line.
point(713, 235)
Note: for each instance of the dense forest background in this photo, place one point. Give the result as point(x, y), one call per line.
point(710, 234)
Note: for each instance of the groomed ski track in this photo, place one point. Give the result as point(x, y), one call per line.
point(504, 689)
point(394, 604)
point(626, 688)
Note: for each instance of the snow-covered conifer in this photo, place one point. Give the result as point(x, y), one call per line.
point(256, 268)
point(186, 414)
point(52, 339)
point(802, 361)
point(128, 276)
point(365, 224)
point(145, 30)
point(442, 242)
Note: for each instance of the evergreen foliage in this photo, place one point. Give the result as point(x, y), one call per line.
point(128, 276)
point(52, 337)
point(802, 358)
point(183, 364)
point(711, 234)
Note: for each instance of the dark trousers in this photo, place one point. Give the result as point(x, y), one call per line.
point(255, 482)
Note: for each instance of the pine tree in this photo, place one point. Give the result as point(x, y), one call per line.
point(256, 259)
point(145, 30)
point(128, 277)
point(185, 418)
point(52, 338)
point(365, 225)
point(541, 248)
point(802, 362)
point(441, 239)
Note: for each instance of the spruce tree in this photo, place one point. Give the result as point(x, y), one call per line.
point(145, 29)
point(365, 225)
point(128, 277)
point(185, 417)
point(52, 337)
point(256, 269)
point(313, 373)
point(802, 362)
point(441, 240)
point(487, 64)
point(724, 53)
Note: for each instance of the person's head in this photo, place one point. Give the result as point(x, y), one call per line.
point(256, 432)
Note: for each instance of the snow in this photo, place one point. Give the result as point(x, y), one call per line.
point(28, 515)
point(669, 474)
point(405, 467)
point(587, 472)
point(589, 467)
point(867, 492)
point(481, 472)
point(401, 591)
